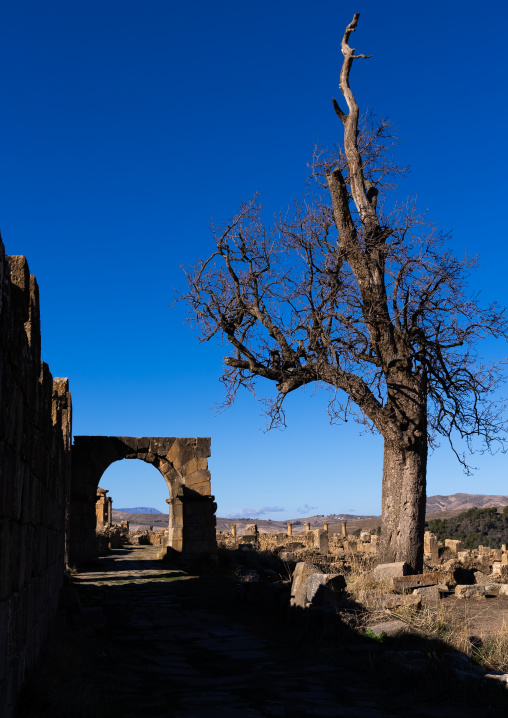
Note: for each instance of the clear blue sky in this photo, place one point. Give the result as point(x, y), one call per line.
point(126, 125)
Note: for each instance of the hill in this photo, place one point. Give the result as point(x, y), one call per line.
point(140, 510)
point(463, 502)
point(442, 507)
point(474, 527)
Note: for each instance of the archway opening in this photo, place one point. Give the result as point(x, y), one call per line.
point(139, 490)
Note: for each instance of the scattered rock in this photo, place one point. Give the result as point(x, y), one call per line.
point(303, 571)
point(387, 571)
point(325, 589)
point(499, 677)
point(428, 594)
point(470, 591)
point(481, 578)
point(500, 569)
point(405, 583)
point(391, 628)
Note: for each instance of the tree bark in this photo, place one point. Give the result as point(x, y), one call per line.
point(403, 503)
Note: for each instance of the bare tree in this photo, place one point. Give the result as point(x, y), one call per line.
point(365, 301)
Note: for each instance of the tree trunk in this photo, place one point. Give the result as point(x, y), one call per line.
point(403, 504)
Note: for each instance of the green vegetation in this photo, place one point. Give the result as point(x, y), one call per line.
point(378, 637)
point(473, 527)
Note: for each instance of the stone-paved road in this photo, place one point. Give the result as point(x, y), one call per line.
point(185, 646)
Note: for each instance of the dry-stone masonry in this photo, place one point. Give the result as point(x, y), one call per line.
point(35, 440)
point(183, 464)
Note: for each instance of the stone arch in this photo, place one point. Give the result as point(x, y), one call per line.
point(183, 463)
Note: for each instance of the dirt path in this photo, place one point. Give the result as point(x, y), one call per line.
point(153, 641)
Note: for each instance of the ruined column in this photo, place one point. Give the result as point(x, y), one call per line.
point(321, 540)
point(430, 546)
point(290, 529)
point(233, 530)
point(110, 509)
point(325, 526)
point(343, 528)
point(307, 527)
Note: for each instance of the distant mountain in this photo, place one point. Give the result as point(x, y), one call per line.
point(139, 510)
point(462, 502)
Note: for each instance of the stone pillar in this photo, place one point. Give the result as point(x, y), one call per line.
point(325, 526)
point(307, 527)
point(102, 506)
point(343, 529)
point(321, 540)
point(290, 529)
point(251, 533)
point(430, 546)
point(192, 525)
point(233, 530)
point(110, 509)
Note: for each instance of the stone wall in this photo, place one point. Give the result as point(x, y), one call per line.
point(35, 439)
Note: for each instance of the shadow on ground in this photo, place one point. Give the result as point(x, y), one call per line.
point(153, 640)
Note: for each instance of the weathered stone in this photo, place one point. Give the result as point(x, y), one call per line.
point(301, 574)
point(428, 593)
point(387, 571)
point(503, 589)
point(430, 546)
point(501, 678)
point(35, 439)
point(500, 570)
point(321, 540)
point(474, 591)
point(325, 589)
point(190, 505)
point(391, 628)
point(453, 545)
point(406, 583)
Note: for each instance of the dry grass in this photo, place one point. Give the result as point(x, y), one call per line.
point(440, 622)
point(492, 651)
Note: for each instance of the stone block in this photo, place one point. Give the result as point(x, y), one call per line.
point(453, 545)
point(391, 628)
point(387, 571)
point(321, 540)
point(325, 589)
point(428, 594)
point(202, 476)
point(406, 583)
point(474, 591)
point(503, 589)
point(195, 464)
point(493, 589)
point(481, 578)
point(303, 571)
point(500, 570)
